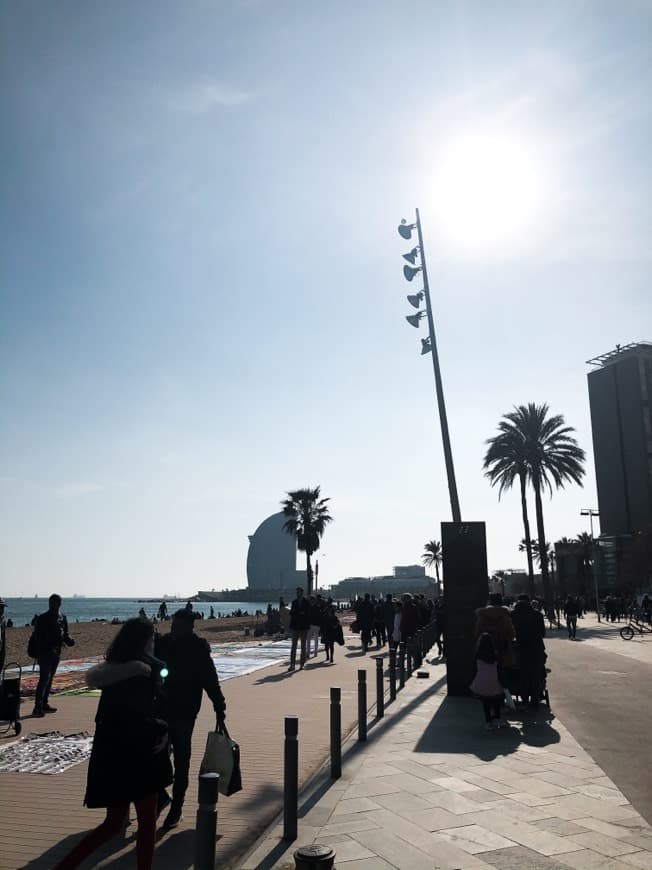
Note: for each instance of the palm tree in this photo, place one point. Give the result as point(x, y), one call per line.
point(432, 556)
point(504, 461)
point(552, 456)
point(536, 555)
point(307, 516)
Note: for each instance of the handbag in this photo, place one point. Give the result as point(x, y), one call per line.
point(222, 755)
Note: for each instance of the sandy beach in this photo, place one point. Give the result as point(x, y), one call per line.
point(93, 638)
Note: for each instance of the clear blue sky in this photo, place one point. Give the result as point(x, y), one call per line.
point(201, 293)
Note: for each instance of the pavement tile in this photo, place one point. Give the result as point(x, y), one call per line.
point(402, 803)
point(454, 784)
point(363, 822)
point(454, 802)
point(531, 800)
point(396, 851)
point(374, 863)
point(436, 818)
point(603, 793)
point(587, 859)
point(354, 805)
point(619, 830)
point(447, 856)
point(474, 839)
point(517, 810)
point(638, 859)
point(371, 787)
point(488, 784)
point(577, 806)
point(415, 784)
point(561, 826)
point(371, 769)
point(526, 834)
point(350, 850)
point(610, 847)
point(521, 858)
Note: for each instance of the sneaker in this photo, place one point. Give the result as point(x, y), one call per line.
point(48, 709)
point(173, 818)
point(37, 713)
point(290, 669)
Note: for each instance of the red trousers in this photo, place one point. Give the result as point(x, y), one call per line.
point(111, 827)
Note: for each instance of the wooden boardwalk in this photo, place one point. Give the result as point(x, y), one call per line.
point(41, 816)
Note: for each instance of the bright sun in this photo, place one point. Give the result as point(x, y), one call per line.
point(488, 190)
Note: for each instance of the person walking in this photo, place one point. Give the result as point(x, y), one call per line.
point(50, 634)
point(315, 625)
point(299, 627)
point(331, 631)
point(409, 618)
point(530, 629)
point(284, 616)
point(191, 672)
point(379, 624)
point(570, 612)
point(389, 611)
point(365, 620)
point(128, 762)
point(486, 684)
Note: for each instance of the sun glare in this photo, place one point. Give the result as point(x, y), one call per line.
point(488, 191)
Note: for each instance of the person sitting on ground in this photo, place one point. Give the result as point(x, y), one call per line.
point(191, 672)
point(486, 683)
point(496, 621)
point(128, 762)
point(530, 630)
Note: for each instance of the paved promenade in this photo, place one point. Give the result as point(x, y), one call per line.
point(41, 816)
point(432, 789)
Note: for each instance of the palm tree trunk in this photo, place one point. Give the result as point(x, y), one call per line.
point(528, 540)
point(543, 556)
point(308, 573)
point(437, 572)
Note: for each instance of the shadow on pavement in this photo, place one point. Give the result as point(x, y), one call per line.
point(176, 850)
point(55, 853)
point(458, 726)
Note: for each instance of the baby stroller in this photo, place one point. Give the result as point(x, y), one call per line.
point(10, 698)
point(516, 681)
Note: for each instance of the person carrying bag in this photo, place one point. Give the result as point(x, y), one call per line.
point(222, 756)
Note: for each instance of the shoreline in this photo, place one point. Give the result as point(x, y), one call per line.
point(93, 638)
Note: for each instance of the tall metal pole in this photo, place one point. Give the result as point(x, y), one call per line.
point(593, 513)
point(448, 456)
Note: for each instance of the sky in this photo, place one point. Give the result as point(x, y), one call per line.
point(201, 293)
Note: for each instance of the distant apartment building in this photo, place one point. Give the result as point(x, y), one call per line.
point(404, 578)
point(620, 393)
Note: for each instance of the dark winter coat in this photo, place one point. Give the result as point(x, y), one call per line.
point(123, 766)
point(409, 619)
point(529, 626)
point(300, 615)
point(365, 614)
point(497, 622)
point(191, 671)
point(50, 633)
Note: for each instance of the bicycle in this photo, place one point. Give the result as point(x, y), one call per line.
point(627, 632)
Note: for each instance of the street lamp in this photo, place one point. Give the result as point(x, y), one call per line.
point(590, 513)
point(429, 345)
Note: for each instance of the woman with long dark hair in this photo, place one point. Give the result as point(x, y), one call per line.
point(128, 761)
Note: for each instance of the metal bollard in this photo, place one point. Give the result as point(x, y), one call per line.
point(401, 665)
point(362, 705)
point(206, 826)
point(291, 778)
point(336, 733)
point(392, 674)
point(380, 689)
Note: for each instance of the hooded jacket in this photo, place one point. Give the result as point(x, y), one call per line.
point(127, 762)
point(496, 621)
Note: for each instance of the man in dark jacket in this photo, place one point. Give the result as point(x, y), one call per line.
point(365, 620)
point(50, 633)
point(191, 671)
point(529, 630)
point(299, 627)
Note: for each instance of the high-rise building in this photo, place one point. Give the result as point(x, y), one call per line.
point(620, 394)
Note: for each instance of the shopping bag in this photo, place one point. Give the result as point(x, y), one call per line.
point(222, 755)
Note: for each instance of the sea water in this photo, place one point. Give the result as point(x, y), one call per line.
point(22, 610)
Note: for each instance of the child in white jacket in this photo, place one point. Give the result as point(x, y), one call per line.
point(486, 684)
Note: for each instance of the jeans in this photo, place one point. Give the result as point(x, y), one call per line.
point(571, 625)
point(47, 668)
point(180, 742)
point(379, 633)
point(111, 827)
point(296, 637)
point(313, 635)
